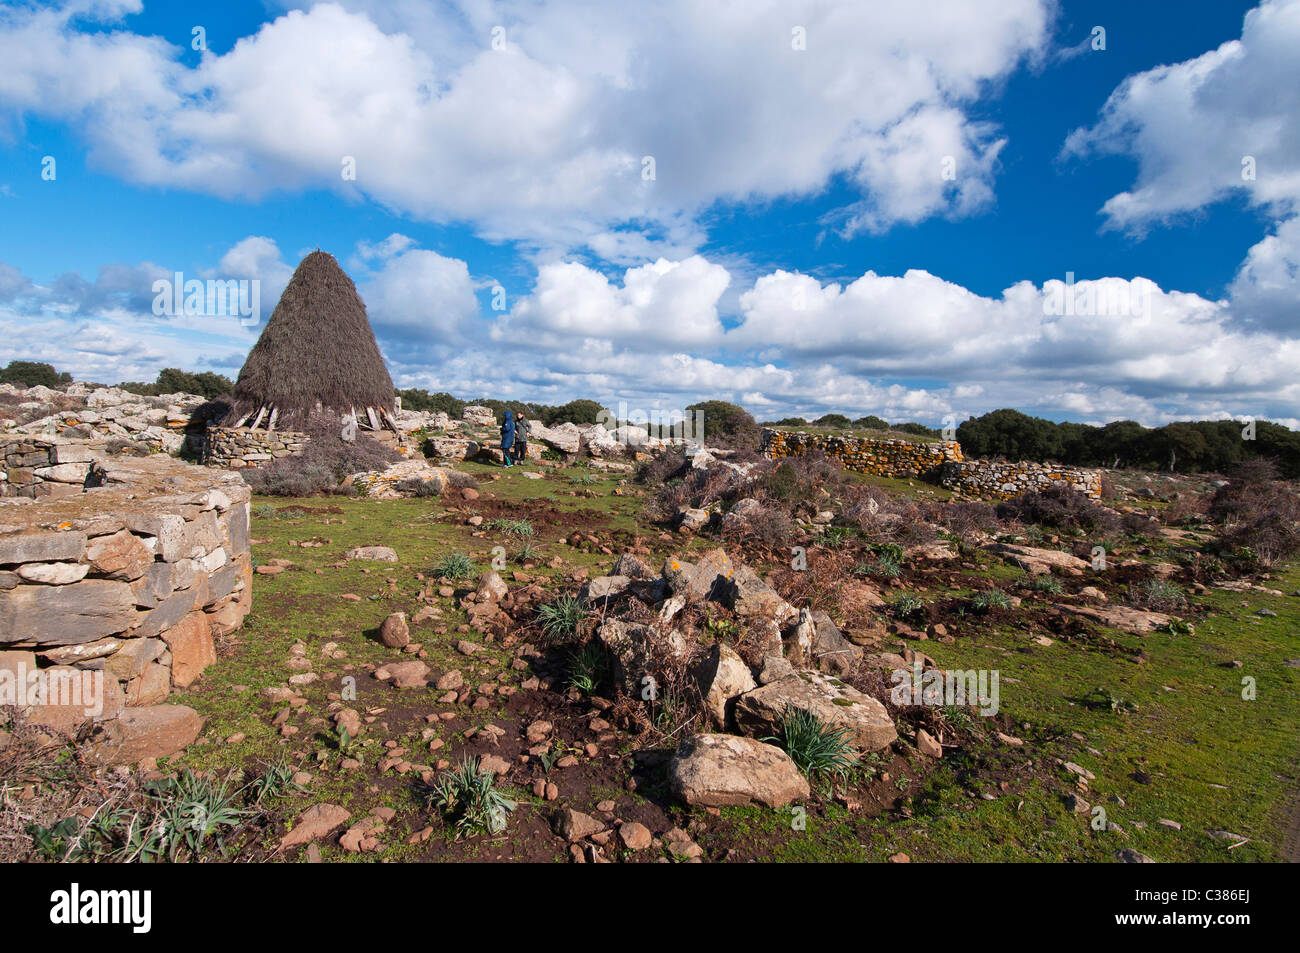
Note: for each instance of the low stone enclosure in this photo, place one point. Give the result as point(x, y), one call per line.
point(235, 448)
point(940, 463)
point(112, 597)
point(890, 458)
point(40, 467)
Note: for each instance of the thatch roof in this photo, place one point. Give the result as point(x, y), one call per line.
point(317, 348)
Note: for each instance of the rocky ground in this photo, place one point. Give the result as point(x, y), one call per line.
point(391, 639)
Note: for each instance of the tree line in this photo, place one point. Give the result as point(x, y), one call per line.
point(1204, 446)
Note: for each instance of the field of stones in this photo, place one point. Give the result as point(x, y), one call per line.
point(732, 662)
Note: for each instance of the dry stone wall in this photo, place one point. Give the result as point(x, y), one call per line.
point(40, 467)
point(235, 448)
point(889, 458)
point(940, 462)
point(988, 479)
point(125, 587)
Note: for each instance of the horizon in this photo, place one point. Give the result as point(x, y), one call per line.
point(689, 204)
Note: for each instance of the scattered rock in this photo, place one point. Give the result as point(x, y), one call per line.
point(721, 770)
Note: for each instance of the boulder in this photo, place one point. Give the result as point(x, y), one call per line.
point(722, 676)
point(53, 574)
point(1041, 562)
point(412, 674)
point(725, 770)
point(492, 587)
point(711, 576)
point(750, 597)
point(158, 731)
point(831, 651)
point(574, 825)
point(384, 554)
point(1137, 621)
point(604, 587)
point(394, 632)
point(567, 437)
point(633, 567)
point(635, 649)
point(693, 518)
point(41, 547)
point(838, 705)
point(316, 822)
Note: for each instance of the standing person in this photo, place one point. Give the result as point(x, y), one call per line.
point(507, 436)
point(521, 438)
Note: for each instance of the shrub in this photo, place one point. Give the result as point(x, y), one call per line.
point(587, 668)
point(1159, 595)
point(468, 796)
point(771, 527)
point(454, 566)
point(990, 599)
point(799, 478)
point(871, 422)
point(414, 486)
point(173, 380)
point(1048, 584)
point(1139, 524)
point(822, 753)
point(887, 562)
point(906, 606)
point(664, 467)
point(965, 519)
point(560, 619)
point(416, 398)
point(1258, 517)
point(1061, 507)
point(322, 464)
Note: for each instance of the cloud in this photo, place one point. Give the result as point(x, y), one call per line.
point(1220, 124)
point(422, 295)
point(1266, 290)
point(666, 305)
point(546, 139)
point(913, 346)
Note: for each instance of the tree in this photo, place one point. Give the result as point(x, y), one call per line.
point(581, 411)
point(834, 420)
point(33, 374)
point(871, 422)
point(920, 430)
point(726, 425)
point(1172, 442)
point(1011, 434)
point(173, 380)
point(416, 398)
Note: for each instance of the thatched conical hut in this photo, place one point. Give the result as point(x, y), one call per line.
point(316, 354)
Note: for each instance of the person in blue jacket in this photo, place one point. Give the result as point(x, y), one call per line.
point(507, 436)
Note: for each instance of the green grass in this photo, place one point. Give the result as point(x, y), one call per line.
point(1214, 760)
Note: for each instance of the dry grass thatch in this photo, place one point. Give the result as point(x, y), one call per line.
point(317, 347)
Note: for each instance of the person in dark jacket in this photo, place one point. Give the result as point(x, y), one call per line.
point(507, 436)
point(521, 438)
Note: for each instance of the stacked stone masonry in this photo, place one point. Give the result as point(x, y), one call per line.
point(988, 479)
point(889, 458)
point(128, 584)
point(235, 448)
point(941, 463)
point(41, 467)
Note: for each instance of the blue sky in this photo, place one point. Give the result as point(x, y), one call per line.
point(799, 249)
